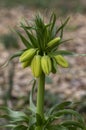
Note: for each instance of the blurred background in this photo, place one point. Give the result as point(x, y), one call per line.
point(67, 84)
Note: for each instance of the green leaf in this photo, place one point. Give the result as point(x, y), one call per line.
point(65, 53)
point(61, 35)
point(25, 42)
point(20, 127)
point(59, 107)
point(63, 25)
point(64, 41)
point(32, 106)
point(41, 32)
point(73, 123)
point(17, 54)
point(32, 121)
point(72, 128)
point(62, 52)
point(31, 37)
point(51, 30)
point(14, 116)
point(52, 21)
point(57, 127)
point(27, 25)
point(33, 127)
point(39, 120)
point(7, 126)
point(79, 54)
point(68, 111)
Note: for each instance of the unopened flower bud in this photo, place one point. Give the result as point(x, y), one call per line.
point(36, 66)
point(46, 64)
point(53, 43)
point(25, 64)
point(61, 61)
point(27, 55)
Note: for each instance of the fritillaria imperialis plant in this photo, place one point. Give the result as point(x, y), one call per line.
point(43, 56)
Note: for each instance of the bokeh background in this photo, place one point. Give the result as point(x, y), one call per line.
point(67, 84)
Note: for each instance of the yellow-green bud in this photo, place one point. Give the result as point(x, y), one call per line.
point(27, 55)
point(36, 66)
point(53, 42)
point(25, 64)
point(61, 61)
point(46, 64)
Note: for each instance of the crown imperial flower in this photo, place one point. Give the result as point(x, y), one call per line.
point(42, 43)
point(41, 51)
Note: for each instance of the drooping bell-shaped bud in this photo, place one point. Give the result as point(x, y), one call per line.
point(46, 64)
point(36, 66)
point(61, 61)
point(28, 55)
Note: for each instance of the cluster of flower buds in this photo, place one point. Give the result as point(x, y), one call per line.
point(42, 63)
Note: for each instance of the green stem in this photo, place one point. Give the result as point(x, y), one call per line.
point(40, 97)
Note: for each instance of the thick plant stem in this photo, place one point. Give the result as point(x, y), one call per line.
point(40, 97)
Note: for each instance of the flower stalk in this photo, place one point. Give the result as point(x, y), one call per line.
point(40, 97)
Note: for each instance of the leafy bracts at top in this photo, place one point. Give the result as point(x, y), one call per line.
point(30, 35)
point(52, 22)
point(40, 34)
point(24, 40)
point(43, 40)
